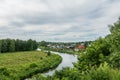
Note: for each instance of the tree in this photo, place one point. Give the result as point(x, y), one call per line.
point(35, 45)
point(43, 43)
point(12, 46)
point(114, 37)
point(30, 44)
point(8, 44)
point(4, 46)
point(0, 46)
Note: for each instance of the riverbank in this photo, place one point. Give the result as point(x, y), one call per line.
point(21, 65)
point(61, 51)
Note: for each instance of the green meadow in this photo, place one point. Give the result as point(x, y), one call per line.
point(20, 65)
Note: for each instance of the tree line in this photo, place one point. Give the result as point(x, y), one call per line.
point(13, 45)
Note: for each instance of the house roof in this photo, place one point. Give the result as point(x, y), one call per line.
point(81, 47)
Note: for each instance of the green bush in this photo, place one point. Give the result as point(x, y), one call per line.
point(104, 72)
point(48, 53)
point(114, 60)
point(33, 65)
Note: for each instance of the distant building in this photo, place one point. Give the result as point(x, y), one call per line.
point(49, 45)
point(76, 49)
point(38, 49)
point(81, 47)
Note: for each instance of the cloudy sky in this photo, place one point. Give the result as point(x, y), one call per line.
point(57, 20)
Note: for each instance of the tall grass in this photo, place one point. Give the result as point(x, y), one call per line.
point(20, 65)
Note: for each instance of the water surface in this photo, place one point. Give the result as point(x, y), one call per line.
point(67, 61)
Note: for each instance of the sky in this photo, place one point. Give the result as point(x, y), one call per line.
point(57, 20)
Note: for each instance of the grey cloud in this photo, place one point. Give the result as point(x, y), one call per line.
point(66, 15)
point(87, 19)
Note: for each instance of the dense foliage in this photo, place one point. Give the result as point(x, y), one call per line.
point(103, 72)
point(20, 65)
point(100, 61)
point(11, 45)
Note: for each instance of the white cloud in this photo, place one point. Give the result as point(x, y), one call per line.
point(57, 20)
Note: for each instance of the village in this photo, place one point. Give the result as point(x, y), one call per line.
point(70, 47)
point(73, 47)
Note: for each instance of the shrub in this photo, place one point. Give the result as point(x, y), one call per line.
point(114, 60)
point(33, 65)
point(104, 72)
point(48, 53)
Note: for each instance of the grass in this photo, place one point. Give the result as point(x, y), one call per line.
point(20, 65)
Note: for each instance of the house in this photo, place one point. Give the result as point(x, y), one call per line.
point(38, 49)
point(76, 49)
point(81, 47)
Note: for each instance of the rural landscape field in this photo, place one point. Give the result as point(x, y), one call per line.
point(59, 40)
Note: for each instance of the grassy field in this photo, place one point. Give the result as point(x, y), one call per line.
point(20, 65)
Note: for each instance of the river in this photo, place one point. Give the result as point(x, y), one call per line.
point(67, 61)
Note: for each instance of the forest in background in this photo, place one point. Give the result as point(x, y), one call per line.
point(12, 45)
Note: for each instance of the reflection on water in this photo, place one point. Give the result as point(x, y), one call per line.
point(67, 61)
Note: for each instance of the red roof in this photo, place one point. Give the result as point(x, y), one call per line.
point(81, 47)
